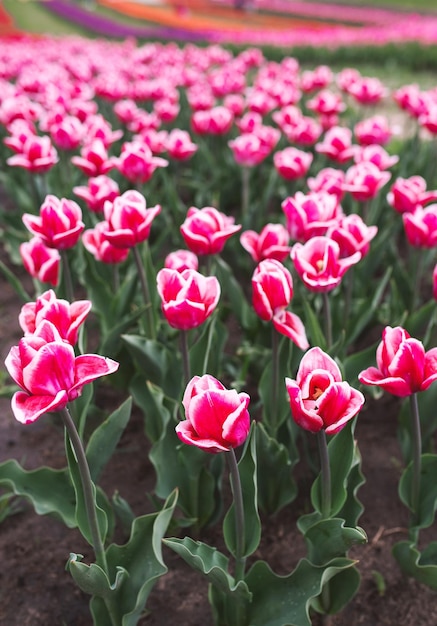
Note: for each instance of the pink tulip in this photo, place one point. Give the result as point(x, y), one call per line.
point(179, 145)
point(272, 288)
point(137, 162)
point(408, 193)
point(326, 103)
point(373, 130)
point(270, 243)
point(292, 163)
point(411, 99)
point(319, 399)
point(66, 317)
point(97, 192)
point(374, 153)
point(40, 261)
point(166, 110)
point(206, 230)
point(421, 226)
point(248, 149)
point(367, 90)
point(403, 366)
point(188, 298)
point(49, 373)
point(305, 132)
point(94, 159)
point(352, 235)
point(20, 131)
point(181, 260)
point(37, 155)
point(319, 264)
point(98, 127)
point(249, 122)
point(129, 221)
point(310, 214)
point(68, 133)
point(330, 180)
point(364, 180)
point(215, 121)
point(94, 240)
point(319, 78)
point(337, 144)
point(217, 418)
point(59, 223)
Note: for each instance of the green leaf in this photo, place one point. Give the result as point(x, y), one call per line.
point(232, 291)
point(185, 467)
point(286, 600)
point(341, 458)
point(422, 567)
point(314, 330)
point(353, 508)
point(50, 491)
point(14, 282)
point(91, 578)
point(330, 538)
point(206, 353)
point(105, 438)
point(210, 562)
point(141, 559)
point(357, 362)
point(428, 490)
point(340, 591)
point(247, 468)
point(155, 406)
point(276, 485)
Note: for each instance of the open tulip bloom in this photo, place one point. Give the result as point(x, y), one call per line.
point(319, 399)
point(49, 373)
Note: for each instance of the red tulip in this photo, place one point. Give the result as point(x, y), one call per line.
point(188, 298)
point(40, 261)
point(59, 223)
point(364, 180)
point(129, 221)
point(49, 373)
point(330, 180)
point(352, 235)
point(206, 230)
point(319, 399)
point(403, 366)
point(67, 318)
point(217, 418)
point(337, 144)
point(319, 264)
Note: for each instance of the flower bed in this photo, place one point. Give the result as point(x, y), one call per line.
point(243, 252)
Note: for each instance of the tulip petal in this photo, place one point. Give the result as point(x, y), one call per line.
point(28, 409)
point(188, 435)
point(290, 325)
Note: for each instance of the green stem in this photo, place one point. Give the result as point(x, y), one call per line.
point(68, 281)
point(245, 194)
point(185, 356)
point(145, 291)
point(275, 382)
point(87, 488)
point(417, 460)
point(325, 474)
point(240, 559)
point(328, 319)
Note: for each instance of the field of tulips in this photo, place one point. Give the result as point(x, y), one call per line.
point(218, 332)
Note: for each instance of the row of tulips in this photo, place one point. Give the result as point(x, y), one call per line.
point(265, 217)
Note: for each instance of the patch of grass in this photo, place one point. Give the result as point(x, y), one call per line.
point(33, 17)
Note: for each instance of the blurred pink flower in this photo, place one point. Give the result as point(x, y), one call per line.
point(270, 243)
point(206, 230)
point(59, 223)
point(40, 261)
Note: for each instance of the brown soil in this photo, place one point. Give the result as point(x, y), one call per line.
point(37, 591)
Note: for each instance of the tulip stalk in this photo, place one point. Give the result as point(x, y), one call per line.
point(185, 356)
point(325, 471)
point(328, 319)
point(275, 382)
point(417, 461)
point(240, 560)
point(145, 292)
point(68, 281)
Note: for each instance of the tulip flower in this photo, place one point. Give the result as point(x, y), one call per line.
point(59, 223)
point(137, 162)
point(326, 103)
point(374, 153)
point(40, 261)
point(66, 317)
point(188, 298)
point(248, 149)
point(309, 215)
point(49, 373)
point(270, 243)
point(67, 133)
point(403, 366)
point(352, 235)
point(217, 419)
point(94, 240)
point(408, 193)
point(373, 130)
point(421, 226)
point(94, 159)
point(272, 288)
point(206, 230)
point(319, 399)
point(215, 121)
point(319, 264)
point(367, 90)
point(37, 155)
point(292, 163)
point(179, 145)
point(129, 221)
point(97, 192)
point(337, 144)
point(364, 180)
point(181, 260)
